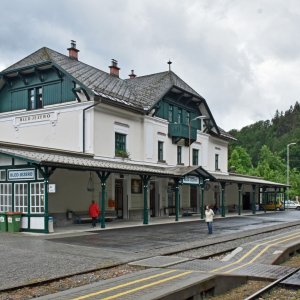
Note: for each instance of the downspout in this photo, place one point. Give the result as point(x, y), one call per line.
point(83, 124)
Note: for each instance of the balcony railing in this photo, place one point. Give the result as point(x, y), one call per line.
point(181, 131)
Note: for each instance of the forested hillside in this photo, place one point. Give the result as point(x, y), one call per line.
point(261, 148)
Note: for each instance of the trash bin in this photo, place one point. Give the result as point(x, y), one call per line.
point(3, 222)
point(13, 221)
point(50, 225)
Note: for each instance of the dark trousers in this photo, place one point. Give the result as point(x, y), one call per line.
point(94, 221)
point(209, 227)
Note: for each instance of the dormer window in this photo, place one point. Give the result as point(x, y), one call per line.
point(35, 98)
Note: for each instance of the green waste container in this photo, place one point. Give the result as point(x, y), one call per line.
point(13, 221)
point(3, 222)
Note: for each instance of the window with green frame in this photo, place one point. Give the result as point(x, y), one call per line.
point(160, 151)
point(217, 162)
point(195, 157)
point(179, 155)
point(35, 98)
point(120, 144)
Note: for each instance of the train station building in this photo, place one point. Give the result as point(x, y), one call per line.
point(143, 147)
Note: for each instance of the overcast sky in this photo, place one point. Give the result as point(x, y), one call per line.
point(242, 56)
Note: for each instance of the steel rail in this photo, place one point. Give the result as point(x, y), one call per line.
point(271, 285)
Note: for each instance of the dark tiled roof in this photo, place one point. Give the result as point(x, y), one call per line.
point(139, 92)
point(151, 88)
point(226, 134)
point(92, 78)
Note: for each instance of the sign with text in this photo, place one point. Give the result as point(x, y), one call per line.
point(21, 174)
point(34, 118)
point(190, 180)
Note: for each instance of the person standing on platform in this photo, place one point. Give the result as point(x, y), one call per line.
point(94, 212)
point(209, 217)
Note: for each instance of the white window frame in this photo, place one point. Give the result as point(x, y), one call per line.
point(21, 197)
point(37, 197)
point(5, 197)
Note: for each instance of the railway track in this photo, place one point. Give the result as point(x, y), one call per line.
point(204, 252)
point(263, 291)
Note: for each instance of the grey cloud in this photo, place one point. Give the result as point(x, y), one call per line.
point(227, 50)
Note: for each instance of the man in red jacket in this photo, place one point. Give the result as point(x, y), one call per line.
point(94, 212)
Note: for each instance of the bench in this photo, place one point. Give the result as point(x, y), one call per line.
point(187, 212)
point(84, 218)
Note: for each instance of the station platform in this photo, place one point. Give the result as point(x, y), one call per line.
point(171, 277)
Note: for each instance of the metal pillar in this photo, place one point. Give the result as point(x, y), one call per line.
point(253, 199)
point(176, 199)
point(145, 180)
point(46, 181)
point(284, 197)
point(103, 177)
point(223, 199)
point(46, 173)
point(275, 195)
point(202, 198)
point(240, 198)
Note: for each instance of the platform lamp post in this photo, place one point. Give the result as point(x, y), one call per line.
point(288, 168)
point(190, 123)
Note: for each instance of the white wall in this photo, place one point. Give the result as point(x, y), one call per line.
point(57, 126)
point(107, 121)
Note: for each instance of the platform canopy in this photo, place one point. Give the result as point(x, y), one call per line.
point(42, 157)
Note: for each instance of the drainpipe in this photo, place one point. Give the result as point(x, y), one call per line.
point(83, 124)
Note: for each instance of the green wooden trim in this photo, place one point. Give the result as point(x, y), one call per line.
point(28, 204)
point(19, 157)
point(145, 180)
point(32, 86)
point(103, 176)
point(13, 196)
point(46, 219)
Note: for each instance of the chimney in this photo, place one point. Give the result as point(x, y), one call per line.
point(114, 69)
point(73, 52)
point(132, 75)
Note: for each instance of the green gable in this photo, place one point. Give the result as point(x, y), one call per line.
point(56, 88)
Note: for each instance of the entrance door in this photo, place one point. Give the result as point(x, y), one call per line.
point(246, 201)
point(119, 198)
point(193, 197)
point(171, 199)
point(152, 198)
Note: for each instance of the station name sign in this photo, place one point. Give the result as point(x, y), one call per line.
point(34, 118)
point(21, 174)
point(190, 180)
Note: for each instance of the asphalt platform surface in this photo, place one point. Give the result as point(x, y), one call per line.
point(29, 258)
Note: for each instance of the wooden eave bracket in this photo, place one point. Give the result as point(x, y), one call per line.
point(21, 76)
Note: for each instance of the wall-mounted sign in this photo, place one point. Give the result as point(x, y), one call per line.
point(52, 188)
point(190, 180)
point(36, 118)
point(21, 174)
point(33, 118)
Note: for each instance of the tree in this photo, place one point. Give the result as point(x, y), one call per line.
point(240, 161)
point(270, 166)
